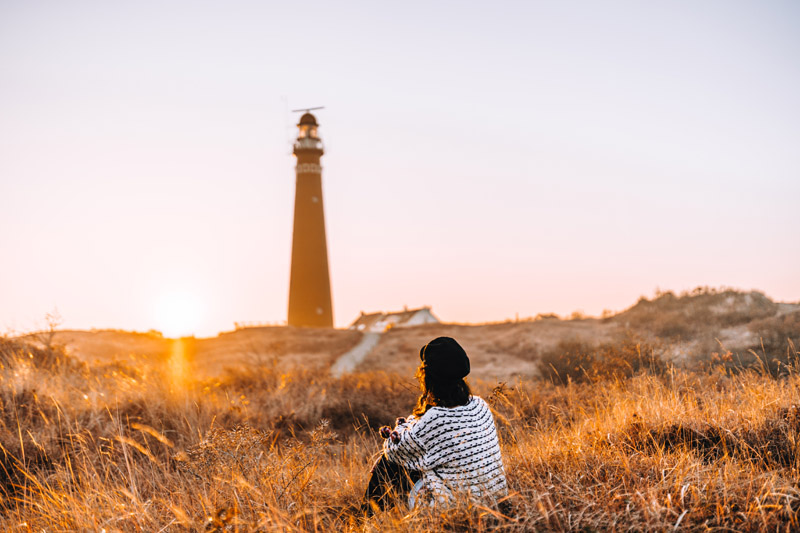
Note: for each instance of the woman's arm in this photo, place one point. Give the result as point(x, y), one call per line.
point(404, 446)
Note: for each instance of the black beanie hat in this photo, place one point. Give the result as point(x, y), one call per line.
point(444, 357)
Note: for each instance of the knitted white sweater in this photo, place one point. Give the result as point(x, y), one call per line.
point(455, 448)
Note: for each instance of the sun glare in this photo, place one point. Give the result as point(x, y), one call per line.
point(178, 314)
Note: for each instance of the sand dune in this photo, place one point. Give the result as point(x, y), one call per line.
point(683, 326)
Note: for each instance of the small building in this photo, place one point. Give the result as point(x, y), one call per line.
point(380, 322)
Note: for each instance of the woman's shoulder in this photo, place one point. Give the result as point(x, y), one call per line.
point(478, 400)
point(478, 404)
point(436, 418)
point(474, 403)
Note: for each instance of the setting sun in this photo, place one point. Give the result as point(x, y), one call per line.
point(178, 314)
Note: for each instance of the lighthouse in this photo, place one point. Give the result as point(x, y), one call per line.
point(310, 283)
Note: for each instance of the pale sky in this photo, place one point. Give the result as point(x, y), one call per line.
point(486, 158)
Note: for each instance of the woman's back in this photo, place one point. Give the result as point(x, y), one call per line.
point(448, 448)
point(456, 449)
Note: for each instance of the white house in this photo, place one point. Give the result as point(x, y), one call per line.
point(380, 322)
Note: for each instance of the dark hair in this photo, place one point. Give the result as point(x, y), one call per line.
point(438, 391)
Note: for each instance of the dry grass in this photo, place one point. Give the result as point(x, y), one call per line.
point(243, 347)
point(145, 447)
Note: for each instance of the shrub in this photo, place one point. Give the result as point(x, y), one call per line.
point(774, 352)
point(777, 334)
point(16, 352)
point(578, 361)
point(678, 317)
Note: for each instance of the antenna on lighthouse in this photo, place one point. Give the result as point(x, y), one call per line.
point(307, 109)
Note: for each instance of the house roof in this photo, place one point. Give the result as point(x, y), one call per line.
point(366, 321)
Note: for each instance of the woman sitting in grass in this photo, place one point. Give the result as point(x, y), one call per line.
point(448, 448)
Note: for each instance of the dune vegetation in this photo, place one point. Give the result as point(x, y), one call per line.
point(614, 437)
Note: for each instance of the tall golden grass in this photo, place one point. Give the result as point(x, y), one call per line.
point(148, 448)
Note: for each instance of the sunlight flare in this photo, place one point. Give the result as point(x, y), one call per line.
point(178, 314)
point(178, 365)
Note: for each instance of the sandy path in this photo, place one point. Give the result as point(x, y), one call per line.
point(349, 360)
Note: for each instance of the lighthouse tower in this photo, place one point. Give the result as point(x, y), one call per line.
point(310, 283)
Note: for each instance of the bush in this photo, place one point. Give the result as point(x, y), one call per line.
point(15, 352)
point(774, 352)
point(679, 317)
point(579, 361)
point(777, 334)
